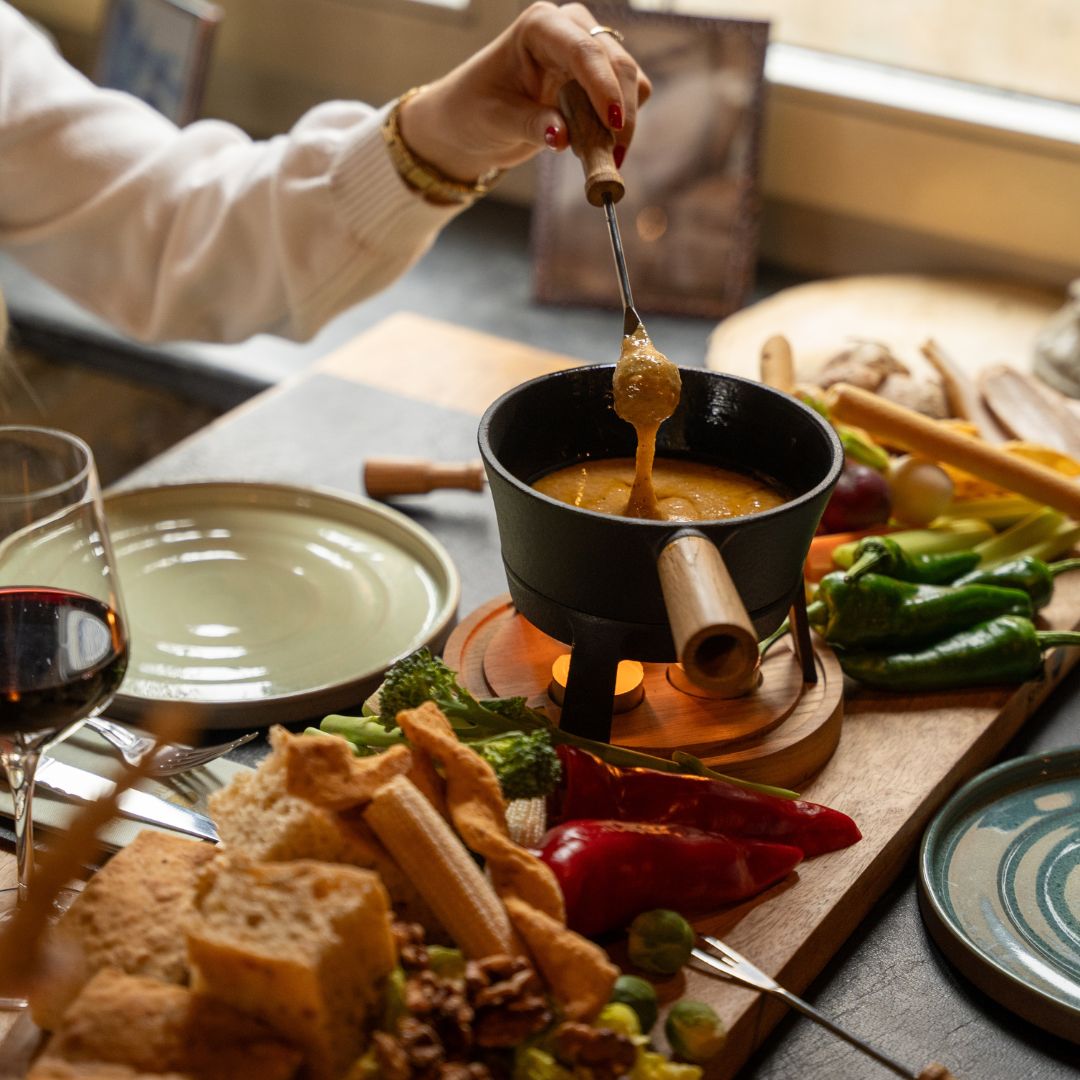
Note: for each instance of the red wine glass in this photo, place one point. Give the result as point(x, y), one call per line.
point(63, 642)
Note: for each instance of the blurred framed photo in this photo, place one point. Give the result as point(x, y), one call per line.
point(158, 50)
point(689, 218)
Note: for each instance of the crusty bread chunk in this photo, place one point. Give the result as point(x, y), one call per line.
point(130, 916)
point(259, 815)
point(148, 1025)
point(302, 945)
point(55, 1069)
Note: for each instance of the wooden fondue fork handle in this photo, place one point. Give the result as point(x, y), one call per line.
point(414, 476)
point(715, 640)
point(593, 144)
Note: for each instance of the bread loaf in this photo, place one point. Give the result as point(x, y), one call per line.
point(130, 916)
point(149, 1026)
point(302, 946)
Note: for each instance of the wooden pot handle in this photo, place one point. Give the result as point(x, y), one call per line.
point(593, 143)
point(414, 476)
point(714, 638)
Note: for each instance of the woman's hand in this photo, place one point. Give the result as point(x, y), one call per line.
point(499, 107)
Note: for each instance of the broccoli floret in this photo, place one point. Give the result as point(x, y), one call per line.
point(421, 677)
point(526, 764)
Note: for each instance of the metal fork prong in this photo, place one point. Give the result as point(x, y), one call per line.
point(201, 755)
point(169, 759)
point(730, 965)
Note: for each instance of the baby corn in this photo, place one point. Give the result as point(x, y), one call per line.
point(444, 873)
point(526, 820)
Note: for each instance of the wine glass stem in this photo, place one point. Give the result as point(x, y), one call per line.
point(19, 754)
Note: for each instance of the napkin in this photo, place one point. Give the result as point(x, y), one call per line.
point(86, 749)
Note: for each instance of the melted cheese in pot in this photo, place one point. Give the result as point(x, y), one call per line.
point(683, 490)
point(646, 387)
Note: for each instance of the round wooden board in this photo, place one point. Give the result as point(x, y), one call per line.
point(977, 323)
point(781, 734)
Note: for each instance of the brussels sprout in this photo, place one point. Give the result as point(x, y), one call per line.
point(660, 941)
point(640, 995)
point(619, 1018)
point(532, 1063)
point(694, 1030)
point(653, 1066)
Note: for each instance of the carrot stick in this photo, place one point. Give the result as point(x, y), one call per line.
point(903, 427)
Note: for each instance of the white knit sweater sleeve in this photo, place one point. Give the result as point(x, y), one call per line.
point(200, 233)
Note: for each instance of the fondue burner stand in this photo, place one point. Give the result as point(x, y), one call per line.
point(779, 733)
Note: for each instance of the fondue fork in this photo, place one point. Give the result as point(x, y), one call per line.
point(724, 961)
point(594, 143)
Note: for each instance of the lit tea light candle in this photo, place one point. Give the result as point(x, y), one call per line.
point(629, 683)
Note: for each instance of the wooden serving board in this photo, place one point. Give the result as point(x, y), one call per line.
point(976, 322)
point(898, 757)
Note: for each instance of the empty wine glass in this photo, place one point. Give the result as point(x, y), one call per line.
point(63, 642)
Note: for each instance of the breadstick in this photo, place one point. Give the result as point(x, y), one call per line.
point(777, 365)
point(960, 392)
point(902, 427)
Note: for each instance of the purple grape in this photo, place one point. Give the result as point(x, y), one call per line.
point(859, 500)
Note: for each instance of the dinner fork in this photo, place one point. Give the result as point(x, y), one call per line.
point(169, 759)
point(723, 960)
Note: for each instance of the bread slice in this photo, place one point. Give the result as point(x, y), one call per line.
point(130, 916)
point(302, 945)
point(258, 815)
point(151, 1026)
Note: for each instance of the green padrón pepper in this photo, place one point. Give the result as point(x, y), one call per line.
point(1032, 575)
point(880, 611)
point(883, 555)
point(997, 652)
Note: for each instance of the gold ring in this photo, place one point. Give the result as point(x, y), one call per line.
point(596, 30)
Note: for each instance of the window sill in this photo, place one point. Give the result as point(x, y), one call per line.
point(869, 169)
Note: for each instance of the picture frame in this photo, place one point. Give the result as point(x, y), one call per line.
point(689, 217)
point(158, 50)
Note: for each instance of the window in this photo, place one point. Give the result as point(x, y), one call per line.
point(919, 135)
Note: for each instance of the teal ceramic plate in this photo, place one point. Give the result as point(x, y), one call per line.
point(262, 603)
point(1000, 886)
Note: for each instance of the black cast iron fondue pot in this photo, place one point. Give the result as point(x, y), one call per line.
point(592, 580)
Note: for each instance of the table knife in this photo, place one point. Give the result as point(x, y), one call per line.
point(82, 786)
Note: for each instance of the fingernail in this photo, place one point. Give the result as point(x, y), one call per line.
point(618, 154)
point(614, 116)
point(551, 137)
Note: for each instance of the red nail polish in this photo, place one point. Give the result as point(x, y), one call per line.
point(614, 116)
point(618, 154)
point(551, 137)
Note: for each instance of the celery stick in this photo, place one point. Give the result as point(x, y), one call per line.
point(1030, 530)
point(961, 534)
point(1061, 543)
point(1000, 513)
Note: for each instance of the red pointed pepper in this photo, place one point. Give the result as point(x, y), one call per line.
point(611, 871)
point(593, 789)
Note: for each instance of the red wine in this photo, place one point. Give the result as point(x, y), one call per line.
point(62, 654)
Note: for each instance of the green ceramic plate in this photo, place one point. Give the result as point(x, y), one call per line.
point(262, 603)
point(1000, 886)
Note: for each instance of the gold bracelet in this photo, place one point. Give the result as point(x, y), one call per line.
point(420, 175)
